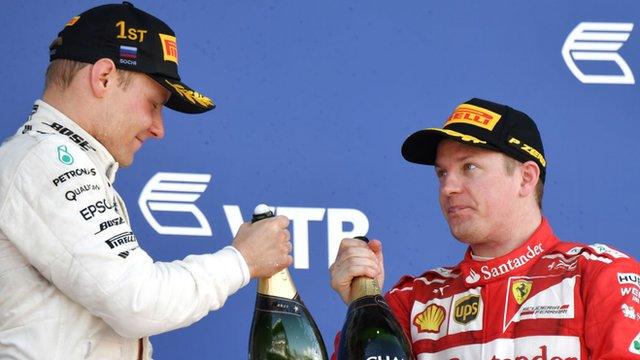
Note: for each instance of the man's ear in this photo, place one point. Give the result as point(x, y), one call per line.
point(530, 173)
point(103, 71)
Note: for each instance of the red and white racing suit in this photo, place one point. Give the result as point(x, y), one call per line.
point(547, 300)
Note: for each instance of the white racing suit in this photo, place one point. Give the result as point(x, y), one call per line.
point(74, 283)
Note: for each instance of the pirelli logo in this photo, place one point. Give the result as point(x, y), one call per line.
point(169, 47)
point(474, 115)
point(121, 239)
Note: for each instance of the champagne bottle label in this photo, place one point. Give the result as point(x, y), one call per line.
point(278, 304)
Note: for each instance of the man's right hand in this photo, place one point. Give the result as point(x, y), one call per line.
point(265, 245)
point(356, 258)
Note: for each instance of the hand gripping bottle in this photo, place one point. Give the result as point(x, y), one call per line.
point(370, 330)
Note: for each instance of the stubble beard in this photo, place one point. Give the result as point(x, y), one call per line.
point(464, 229)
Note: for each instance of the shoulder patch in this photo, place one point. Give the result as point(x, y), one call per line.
point(438, 275)
point(445, 272)
point(406, 280)
point(604, 249)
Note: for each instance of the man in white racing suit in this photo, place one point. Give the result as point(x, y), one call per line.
point(74, 282)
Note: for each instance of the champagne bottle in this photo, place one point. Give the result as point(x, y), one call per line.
point(370, 330)
point(282, 327)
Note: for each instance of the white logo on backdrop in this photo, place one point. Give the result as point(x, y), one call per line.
point(175, 192)
point(598, 41)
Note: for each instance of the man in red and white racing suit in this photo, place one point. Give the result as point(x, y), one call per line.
point(519, 293)
point(546, 300)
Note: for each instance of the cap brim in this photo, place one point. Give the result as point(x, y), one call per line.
point(183, 98)
point(421, 147)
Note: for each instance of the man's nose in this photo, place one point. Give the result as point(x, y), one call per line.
point(450, 184)
point(157, 127)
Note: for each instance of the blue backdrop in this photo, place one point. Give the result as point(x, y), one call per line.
point(314, 101)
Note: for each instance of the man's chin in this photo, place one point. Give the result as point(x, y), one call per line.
point(123, 163)
point(462, 231)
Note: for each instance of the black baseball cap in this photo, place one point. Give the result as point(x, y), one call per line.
point(484, 124)
point(135, 41)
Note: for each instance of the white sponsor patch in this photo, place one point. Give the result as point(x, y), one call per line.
point(629, 279)
point(631, 291)
point(467, 312)
point(573, 256)
point(430, 320)
point(596, 258)
point(524, 348)
point(604, 249)
point(554, 302)
point(440, 317)
point(630, 312)
point(634, 347)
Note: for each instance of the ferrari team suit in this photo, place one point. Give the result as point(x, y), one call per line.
point(74, 283)
point(546, 300)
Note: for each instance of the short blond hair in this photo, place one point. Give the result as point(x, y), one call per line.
point(510, 165)
point(61, 72)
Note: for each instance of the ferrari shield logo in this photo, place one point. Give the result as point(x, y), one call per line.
point(521, 290)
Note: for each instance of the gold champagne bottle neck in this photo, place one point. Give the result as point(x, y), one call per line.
point(363, 286)
point(280, 284)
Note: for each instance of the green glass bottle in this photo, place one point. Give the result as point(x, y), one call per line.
point(370, 331)
point(282, 327)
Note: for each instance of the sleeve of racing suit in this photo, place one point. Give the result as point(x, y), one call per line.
point(88, 252)
point(397, 302)
point(612, 309)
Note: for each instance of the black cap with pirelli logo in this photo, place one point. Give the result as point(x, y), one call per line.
point(485, 124)
point(135, 41)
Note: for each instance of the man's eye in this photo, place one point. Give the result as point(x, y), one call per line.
point(440, 173)
point(469, 166)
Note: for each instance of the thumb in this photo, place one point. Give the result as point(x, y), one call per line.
point(375, 245)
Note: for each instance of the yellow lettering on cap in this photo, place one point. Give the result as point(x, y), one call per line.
point(463, 137)
point(474, 115)
point(530, 150)
point(193, 97)
point(129, 33)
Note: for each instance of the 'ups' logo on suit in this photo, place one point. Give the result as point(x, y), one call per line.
point(466, 309)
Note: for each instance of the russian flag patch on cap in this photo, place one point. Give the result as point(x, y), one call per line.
point(128, 52)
